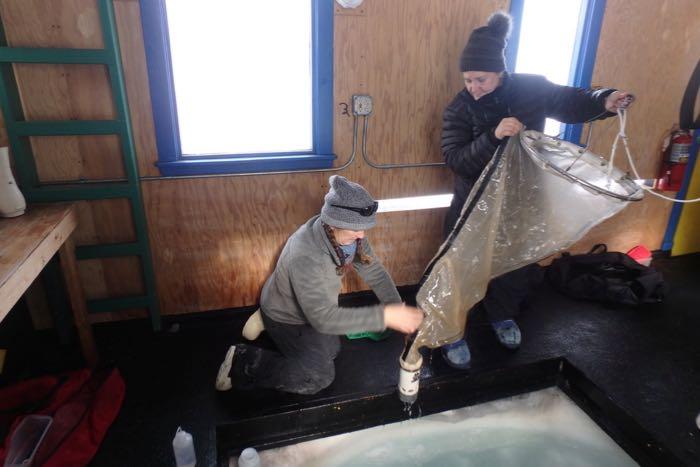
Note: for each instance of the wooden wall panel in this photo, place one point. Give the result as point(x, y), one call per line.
point(51, 23)
point(649, 48)
point(413, 72)
point(64, 92)
point(216, 239)
point(128, 17)
point(63, 158)
point(237, 231)
point(75, 92)
point(111, 277)
point(405, 55)
point(104, 221)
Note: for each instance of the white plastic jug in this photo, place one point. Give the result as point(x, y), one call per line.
point(249, 458)
point(12, 203)
point(183, 448)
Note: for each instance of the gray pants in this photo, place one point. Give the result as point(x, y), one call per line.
point(303, 365)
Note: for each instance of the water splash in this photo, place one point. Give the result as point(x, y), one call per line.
point(408, 409)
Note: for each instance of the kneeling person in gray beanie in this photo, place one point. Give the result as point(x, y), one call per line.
point(299, 301)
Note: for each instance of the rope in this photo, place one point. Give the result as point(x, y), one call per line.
point(622, 116)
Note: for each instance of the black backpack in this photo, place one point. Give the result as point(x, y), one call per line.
point(609, 277)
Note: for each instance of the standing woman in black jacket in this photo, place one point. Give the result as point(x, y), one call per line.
point(493, 106)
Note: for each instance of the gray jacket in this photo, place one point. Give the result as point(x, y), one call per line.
point(304, 287)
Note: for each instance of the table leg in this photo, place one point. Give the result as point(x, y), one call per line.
point(76, 296)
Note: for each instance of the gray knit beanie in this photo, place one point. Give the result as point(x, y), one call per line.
point(484, 49)
point(348, 206)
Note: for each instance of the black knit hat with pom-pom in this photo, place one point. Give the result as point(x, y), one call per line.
point(484, 49)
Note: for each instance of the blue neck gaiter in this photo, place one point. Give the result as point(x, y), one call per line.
point(349, 250)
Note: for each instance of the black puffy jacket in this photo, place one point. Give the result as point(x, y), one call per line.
point(468, 139)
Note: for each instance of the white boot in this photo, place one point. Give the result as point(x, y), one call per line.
point(223, 380)
point(12, 202)
point(254, 326)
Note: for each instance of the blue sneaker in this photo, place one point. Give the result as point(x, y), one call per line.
point(508, 333)
point(457, 354)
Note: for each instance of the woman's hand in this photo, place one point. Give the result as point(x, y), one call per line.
point(618, 100)
point(402, 318)
point(508, 127)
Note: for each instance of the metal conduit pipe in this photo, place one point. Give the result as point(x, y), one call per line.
point(588, 136)
point(389, 166)
point(335, 169)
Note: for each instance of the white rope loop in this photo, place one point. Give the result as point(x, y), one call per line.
point(622, 117)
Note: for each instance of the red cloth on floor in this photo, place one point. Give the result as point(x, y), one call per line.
point(83, 406)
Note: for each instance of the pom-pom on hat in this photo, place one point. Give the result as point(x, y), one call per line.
point(348, 206)
point(484, 49)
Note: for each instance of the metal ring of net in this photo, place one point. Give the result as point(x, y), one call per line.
point(580, 165)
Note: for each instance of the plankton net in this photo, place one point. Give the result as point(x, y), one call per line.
point(537, 196)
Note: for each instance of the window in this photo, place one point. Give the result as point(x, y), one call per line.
point(240, 87)
point(557, 39)
point(415, 203)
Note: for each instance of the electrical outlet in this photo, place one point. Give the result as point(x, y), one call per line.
point(361, 104)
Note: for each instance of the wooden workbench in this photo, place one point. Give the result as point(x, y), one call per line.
point(27, 243)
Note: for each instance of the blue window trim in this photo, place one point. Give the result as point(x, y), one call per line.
point(585, 48)
point(171, 162)
point(590, 24)
point(511, 53)
point(675, 216)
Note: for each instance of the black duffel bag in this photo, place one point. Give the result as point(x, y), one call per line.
point(609, 277)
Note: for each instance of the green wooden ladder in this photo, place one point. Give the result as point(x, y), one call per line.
point(19, 130)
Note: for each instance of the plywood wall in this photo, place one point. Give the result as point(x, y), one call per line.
point(75, 92)
point(404, 54)
point(215, 239)
point(649, 48)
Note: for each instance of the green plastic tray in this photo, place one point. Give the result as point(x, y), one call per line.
point(375, 336)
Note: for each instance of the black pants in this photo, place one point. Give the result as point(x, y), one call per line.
point(303, 365)
point(506, 294)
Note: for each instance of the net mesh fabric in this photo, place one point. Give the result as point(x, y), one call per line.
point(537, 196)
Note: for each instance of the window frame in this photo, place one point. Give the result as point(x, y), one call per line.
point(171, 161)
point(585, 49)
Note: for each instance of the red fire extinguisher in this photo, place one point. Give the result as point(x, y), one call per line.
point(676, 154)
